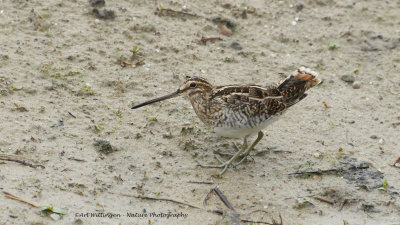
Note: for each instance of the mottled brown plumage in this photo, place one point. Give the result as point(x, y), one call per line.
point(240, 110)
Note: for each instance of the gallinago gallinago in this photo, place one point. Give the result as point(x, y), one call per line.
point(237, 111)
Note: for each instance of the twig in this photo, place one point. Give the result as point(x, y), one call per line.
point(223, 198)
point(233, 211)
point(217, 211)
point(71, 115)
point(171, 11)
point(200, 182)
point(79, 160)
point(324, 200)
point(9, 195)
point(259, 210)
point(7, 158)
point(207, 197)
point(204, 40)
point(342, 204)
point(319, 172)
point(261, 222)
point(280, 218)
point(335, 170)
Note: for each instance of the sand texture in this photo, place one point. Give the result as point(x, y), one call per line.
point(71, 70)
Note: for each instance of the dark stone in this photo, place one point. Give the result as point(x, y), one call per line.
point(97, 3)
point(236, 46)
point(299, 6)
point(348, 78)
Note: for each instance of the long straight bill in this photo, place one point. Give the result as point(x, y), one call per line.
point(165, 97)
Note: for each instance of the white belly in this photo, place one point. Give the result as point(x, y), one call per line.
point(240, 132)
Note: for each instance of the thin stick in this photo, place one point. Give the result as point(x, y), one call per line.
point(217, 211)
point(259, 222)
point(200, 182)
point(72, 115)
point(342, 204)
point(324, 200)
point(258, 210)
point(336, 170)
point(207, 197)
point(171, 11)
point(223, 198)
point(7, 158)
point(9, 195)
point(79, 160)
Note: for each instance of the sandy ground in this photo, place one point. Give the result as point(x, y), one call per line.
point(67, 84)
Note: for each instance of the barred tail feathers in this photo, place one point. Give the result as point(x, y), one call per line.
point(301, 78)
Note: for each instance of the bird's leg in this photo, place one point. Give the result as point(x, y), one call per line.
point(245, 154)
point(226, 164)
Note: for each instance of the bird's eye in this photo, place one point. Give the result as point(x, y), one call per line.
point(192, 84)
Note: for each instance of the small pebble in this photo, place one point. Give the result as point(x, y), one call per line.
point(317, 155)
point(55, 216)
point(224, 30)
point(348, 78)
point(97, 3)
point(380, 141)
point(299, 6)
point(236, 46)
point(356, 85)
point(373, 137)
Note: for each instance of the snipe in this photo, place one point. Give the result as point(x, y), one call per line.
point(238, 111)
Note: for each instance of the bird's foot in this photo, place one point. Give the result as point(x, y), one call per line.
point(247, 152)
point(226, 164)
point(223, 165)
